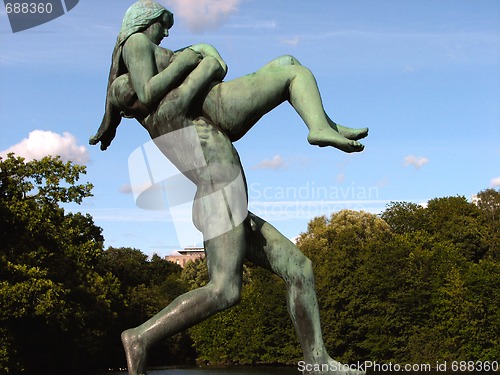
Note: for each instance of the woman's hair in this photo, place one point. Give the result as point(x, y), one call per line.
point(138, 18)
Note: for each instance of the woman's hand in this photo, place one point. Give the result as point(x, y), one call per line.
point(149, 84)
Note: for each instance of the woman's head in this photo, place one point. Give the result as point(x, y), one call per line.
point(141, 15)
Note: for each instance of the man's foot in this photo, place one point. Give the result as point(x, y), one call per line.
point(330, 137)
point(350, 133)
point(135, 352)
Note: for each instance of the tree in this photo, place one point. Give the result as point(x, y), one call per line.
point(356, 270)
point(451, 274)
point(414, 289)
point(49, 289)
point(147, 285)
point(489, 203)
point(415, 285)
point(455, 220)
point(404, 217)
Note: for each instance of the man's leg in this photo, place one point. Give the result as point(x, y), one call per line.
point(271, 250)
point(225, 255)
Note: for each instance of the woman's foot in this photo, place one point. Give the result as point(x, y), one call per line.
point(354, 134)
point(135, 352)
point(330, 137)
point(351, 133)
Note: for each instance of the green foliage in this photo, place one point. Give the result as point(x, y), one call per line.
point(489, 204)
point(450, 219)
point(41, 180)
point(59, 288)
point(48, 286)
point(354, 269)
point(146, 287)
point(415, 285)
point(195, 273)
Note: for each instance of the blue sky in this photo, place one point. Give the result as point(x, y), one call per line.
point(424, 76)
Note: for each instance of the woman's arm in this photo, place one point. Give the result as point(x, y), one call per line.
point(150, 85)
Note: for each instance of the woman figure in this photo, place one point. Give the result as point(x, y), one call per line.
point(235, 106)
point(194, 117)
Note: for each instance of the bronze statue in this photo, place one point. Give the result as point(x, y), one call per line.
point(182, 101)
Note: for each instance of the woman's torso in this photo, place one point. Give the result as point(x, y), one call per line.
point(123, 95)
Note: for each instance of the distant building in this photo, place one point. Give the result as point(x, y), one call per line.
point(475, 200)
point(187, 255)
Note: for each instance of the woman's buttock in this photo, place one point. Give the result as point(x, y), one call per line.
point(237, 105)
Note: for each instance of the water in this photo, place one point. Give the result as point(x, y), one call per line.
point(276, 371)
point(224, 371)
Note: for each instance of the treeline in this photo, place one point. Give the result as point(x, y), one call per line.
point(64, 300)
point(413, 285)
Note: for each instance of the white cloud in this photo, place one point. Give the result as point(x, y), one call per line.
point(42, 143)
point(383, 183)
point(277, 162)
point(409, 69)
point(119, 215)
point(254, 25)
point(423, 204)
point(125, 189)
point(203, 15)
point(294, 42)
point(495, 182)
point(415, 161)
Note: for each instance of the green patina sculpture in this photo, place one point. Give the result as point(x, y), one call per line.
point(182, 101)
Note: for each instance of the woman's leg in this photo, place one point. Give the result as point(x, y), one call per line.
point(238, 104)
point(270, 249)
point(350, 133)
